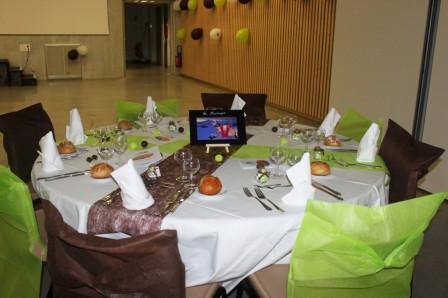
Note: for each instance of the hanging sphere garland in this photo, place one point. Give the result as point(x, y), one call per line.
point(242, 36)
point(181, 33)
point(232, 1)
point(220, 3)
point(209, 4)
point(192, 4)
point(196, 33)
point(244, 1)
point(176, 5)
point(215, 33)
point(184, 4)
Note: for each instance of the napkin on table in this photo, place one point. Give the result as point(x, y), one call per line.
point(51, 160)
point(133, 191)
point(368, 145)
point(330, 121)
point(150, 106)
point(300, 177)
point(238, 103)
point(75, 132)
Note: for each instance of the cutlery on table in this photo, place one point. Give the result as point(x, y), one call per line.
point(250, 195)
point(261, 195)
point(327, 191)
point(66, 175)
point(272, 186)
point(346, 164)
point(326, 187)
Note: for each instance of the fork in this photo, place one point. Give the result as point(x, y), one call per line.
point(250, 195)
point(261, 195)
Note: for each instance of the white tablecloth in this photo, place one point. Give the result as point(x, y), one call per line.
point(222, 238)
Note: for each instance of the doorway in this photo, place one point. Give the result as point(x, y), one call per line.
point(146, 29)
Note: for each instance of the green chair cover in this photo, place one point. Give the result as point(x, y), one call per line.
point(168, 107)
point(20, 268)
point(345, 250)
point(354, 125)
point(128, 110)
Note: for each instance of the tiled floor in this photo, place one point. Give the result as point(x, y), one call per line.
point(95, 98)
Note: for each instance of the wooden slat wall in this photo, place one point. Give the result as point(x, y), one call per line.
point(288, 55)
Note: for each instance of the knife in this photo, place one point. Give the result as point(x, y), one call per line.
point(327, 188)
point(328, 192)
point(71, 174)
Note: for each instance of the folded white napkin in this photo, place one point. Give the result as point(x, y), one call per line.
point(51, 160)
point(150, 106)
point(133, 191)
point(368, 146)
point(300, 177)
point(330, 122)
point(75, 132)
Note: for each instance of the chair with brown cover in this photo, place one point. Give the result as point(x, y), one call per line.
point(22, 131)
point(254, 108)
point(408, 160)
point(89, 266)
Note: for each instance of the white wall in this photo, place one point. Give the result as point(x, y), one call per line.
point(377, 55)
point(437, 110)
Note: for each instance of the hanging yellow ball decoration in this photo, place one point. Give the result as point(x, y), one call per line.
point(242, 35)
point(220, 3)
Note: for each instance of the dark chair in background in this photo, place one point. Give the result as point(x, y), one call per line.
point(408, 161)
point(254, 108)
point(22, 131)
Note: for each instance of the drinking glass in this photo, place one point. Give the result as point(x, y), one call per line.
point(294, 157)
point(307, 136)
point(284, 123)
point(320, 136)
point(105, 150)
point(156, 118)
point(277, 156)
point(191, 167)
point(292, 122)
point(144, 119)
point(180, 156)
point(120, 146)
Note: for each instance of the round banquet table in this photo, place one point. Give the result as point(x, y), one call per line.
point(226, 237)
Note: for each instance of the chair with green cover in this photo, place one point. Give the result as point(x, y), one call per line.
point(130, 110)
point(345, 250)
point(21, 248)
point(354, 125)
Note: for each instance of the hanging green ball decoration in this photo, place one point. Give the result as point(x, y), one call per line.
point(192, 4)
point(181, 33)
point(220, 3)
point(242, 35)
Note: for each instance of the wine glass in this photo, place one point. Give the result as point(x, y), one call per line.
point(284, 123)
point(105, 150)
point(180, 156)
point(144, 119)
point(120, 146)
point(292, 122)
point(277, 156)
point(294, 157)
point(156, 118)
point(191, 167)
point(320, 136)
point(307, 136)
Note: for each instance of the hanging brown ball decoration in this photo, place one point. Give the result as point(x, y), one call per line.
point(73, 54)
point(196, 33)
point(209, 4)
point(244, 1)
point(184, 4)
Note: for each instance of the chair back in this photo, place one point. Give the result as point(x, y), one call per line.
point(345, 250)
point(22, 131)
point(254, 108)
point(21, 250)
point(408, 160)
point(89, 266)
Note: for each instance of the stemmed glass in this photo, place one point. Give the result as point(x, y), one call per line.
point(307, 136)
point(144, 119)
point(284, 123)
point(120, 146)
point(191, 167)
point(320, 136)
point(180, 157)
point(277, 156)
point(156, 118)
point(105, 150)
point(292, 123)
point(294, 157)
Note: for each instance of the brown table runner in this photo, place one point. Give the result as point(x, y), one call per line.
point(112, 217)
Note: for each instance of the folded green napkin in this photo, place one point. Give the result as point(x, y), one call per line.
point(128, 110)
point(252, 151)
point(168, 107)
point(346, 250)
point(354, 125)
point(172, 147)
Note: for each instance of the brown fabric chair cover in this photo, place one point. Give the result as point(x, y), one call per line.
point(431, 264)
point(22, 131)
point(270, 282)
point(254, 108)
point(89, 266)
point(408, 160)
